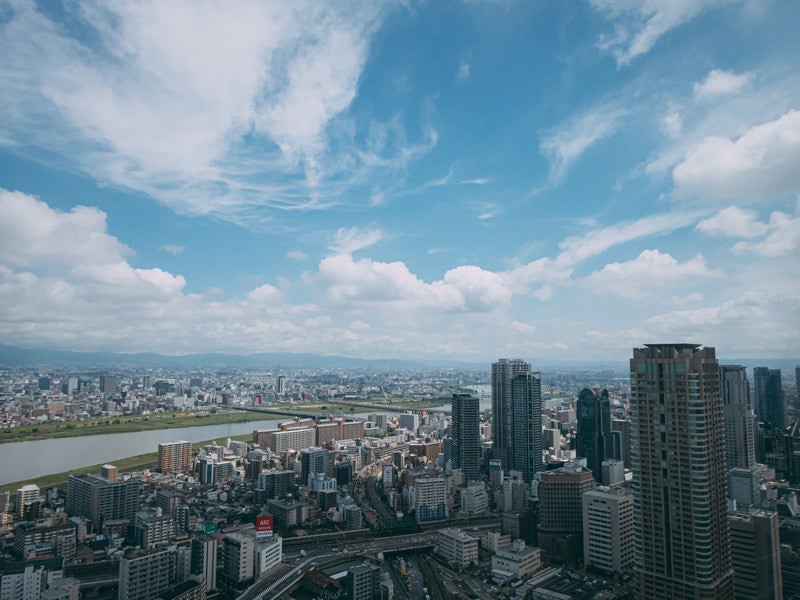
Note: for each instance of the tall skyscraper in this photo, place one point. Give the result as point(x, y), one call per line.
point(679, 484)
point(465, 431)
point(595, 438)
point(740, 449)
point(526, 409)
point(503, 371)
point(769, 396)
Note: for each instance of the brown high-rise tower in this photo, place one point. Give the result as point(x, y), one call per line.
point(678, 452)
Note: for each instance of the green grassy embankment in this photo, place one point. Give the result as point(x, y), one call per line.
point(123, 424)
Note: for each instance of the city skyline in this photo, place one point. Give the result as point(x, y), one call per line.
point(563, 181)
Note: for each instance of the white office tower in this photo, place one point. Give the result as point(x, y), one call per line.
point(430, 499)
point(457, 547)
point(26, 495)
point(608, 535)
point(474, 499)
point(268, 554)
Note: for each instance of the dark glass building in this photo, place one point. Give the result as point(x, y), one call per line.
point(526, 409)
point(595, 440)
point(769, 397)
point(465, 432)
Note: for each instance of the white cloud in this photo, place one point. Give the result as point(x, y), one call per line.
point(567, 142)
point(173, 249)
point(763, 162)
point(489, 211)
point(298, 255)
point(672, 124)
point(264, 294)
point(783, 237)
point(578, 248)
point(692, 298)
point(349, 240)
point(733, 222)
point(752, 306)
point(464, 288)
point(193, 103)
point(33, 234)
point(640, 23)
point(651, 270)
point(720, 83)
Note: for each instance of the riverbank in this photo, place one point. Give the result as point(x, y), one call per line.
point(136, 423)
point(123, 424)
point(125, 465)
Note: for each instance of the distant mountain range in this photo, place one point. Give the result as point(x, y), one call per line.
point(20, 357)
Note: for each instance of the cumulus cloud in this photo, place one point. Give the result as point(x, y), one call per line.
point(763, 162)
point(364, 281)
point(639, 24)
point(33, 234)
point(264, 294)
point(720, 83)
point(750, 307)
point(783, 237)
point(649, 271)
point(567, 142)
point(733, 222)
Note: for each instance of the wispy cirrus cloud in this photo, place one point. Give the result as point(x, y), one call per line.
point(212, 110)
point(638, 24)
point(349, 240)
point(565, 144)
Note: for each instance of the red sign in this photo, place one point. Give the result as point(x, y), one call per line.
point(264, 524)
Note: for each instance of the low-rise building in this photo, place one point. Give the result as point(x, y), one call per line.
point(516, 561)
point(457, 547)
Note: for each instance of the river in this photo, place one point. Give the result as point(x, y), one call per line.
point(20, 461)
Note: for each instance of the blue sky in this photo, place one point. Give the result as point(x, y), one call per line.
point(460, 180)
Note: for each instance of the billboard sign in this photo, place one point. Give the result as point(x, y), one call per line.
point(263, 525)
point(210, 528)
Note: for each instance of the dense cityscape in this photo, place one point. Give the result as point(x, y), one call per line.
point(675, 480)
